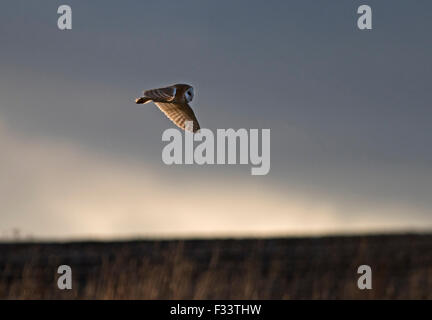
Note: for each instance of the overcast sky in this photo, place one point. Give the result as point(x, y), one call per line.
point(349, 112)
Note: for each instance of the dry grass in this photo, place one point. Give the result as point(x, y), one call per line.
point(308, 268)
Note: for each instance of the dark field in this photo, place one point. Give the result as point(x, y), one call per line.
point(296, 268)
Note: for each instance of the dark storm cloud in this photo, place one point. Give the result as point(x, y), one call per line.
point(349, 110)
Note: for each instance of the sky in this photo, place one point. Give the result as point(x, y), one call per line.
point(349, 113)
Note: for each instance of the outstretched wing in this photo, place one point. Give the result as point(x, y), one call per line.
point(161, 94)
point(179, 114)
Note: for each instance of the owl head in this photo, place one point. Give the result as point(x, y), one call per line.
point(189, 94)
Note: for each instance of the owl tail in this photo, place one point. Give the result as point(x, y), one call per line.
point(142, 100)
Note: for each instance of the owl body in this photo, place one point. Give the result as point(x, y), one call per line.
point(173, 101)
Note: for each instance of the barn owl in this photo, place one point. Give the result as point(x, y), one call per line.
point(174, 102)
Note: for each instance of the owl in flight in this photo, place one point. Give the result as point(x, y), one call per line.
point(174, 102)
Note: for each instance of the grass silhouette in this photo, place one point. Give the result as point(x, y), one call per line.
point(292, 268)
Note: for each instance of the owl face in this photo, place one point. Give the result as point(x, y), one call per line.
point(189, 94)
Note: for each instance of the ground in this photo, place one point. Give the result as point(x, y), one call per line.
point(291, 268)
